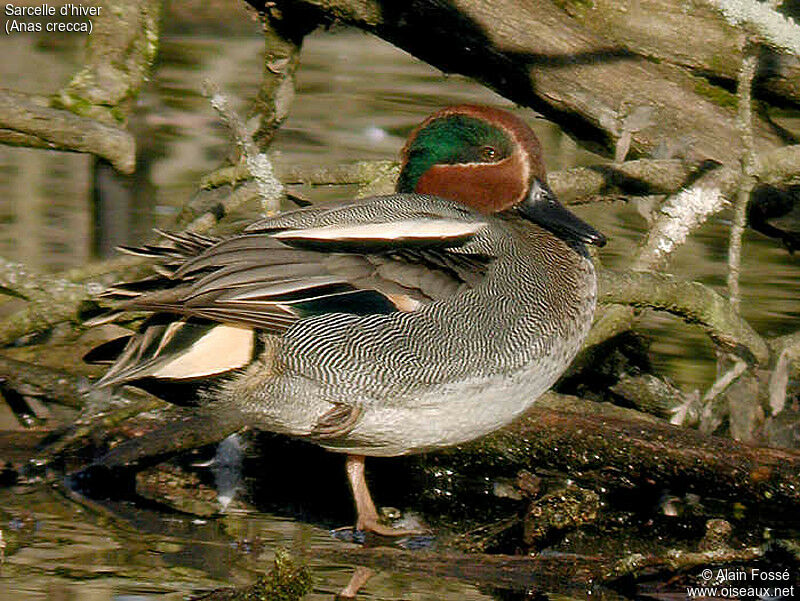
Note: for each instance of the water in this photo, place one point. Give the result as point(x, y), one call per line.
point(357, 99)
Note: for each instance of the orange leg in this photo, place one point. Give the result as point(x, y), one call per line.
point(367, 519)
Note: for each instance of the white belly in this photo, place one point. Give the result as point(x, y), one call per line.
point(449, 416)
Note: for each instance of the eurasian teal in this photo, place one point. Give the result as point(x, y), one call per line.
point(389, 325)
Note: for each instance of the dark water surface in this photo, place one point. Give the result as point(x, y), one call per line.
point(357, 99)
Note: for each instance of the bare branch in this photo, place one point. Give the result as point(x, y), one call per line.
point(118, 57)
point(745, 122)
point(258, 164)
point(282, 39)
point(27, 121)
point(692, 301)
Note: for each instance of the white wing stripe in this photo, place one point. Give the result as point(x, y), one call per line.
point(413, 229)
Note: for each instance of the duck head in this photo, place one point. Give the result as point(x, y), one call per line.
point(491, 161)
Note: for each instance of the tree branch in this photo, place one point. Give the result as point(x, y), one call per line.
point(692, 301)
point(537, 56)
point(26, 120)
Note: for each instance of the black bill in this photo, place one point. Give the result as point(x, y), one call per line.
point(542, 207)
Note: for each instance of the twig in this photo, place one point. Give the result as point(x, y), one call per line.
point(787, 349)
point(206, 221)
point(680, 560)
point(724, 381)
point(683, 213)
point(258, 164)
point(744, 120)
point(714, 407)
point(678, 217)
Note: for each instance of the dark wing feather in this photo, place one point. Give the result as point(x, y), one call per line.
point(270, 280)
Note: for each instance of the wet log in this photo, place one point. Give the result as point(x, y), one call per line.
point(551, 571)
point(597, 444)
point(535, 54)
point(621, 452)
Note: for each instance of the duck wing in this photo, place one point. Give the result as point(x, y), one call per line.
point(212, 296)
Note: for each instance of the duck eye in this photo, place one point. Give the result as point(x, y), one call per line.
point(488, 153)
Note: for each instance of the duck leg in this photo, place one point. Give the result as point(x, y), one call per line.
point(367, 516)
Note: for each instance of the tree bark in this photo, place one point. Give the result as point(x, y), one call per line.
point(689, 34)
point(538, 56)
point(623, 452)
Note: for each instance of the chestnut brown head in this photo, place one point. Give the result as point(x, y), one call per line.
point(489, 160)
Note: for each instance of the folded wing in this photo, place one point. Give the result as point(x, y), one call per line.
point(309, 262)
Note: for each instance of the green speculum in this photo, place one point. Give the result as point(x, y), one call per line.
point(452, 140)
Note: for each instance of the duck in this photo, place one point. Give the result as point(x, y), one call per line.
point(384, 326)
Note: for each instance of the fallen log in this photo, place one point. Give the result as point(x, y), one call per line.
point(617, 451)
